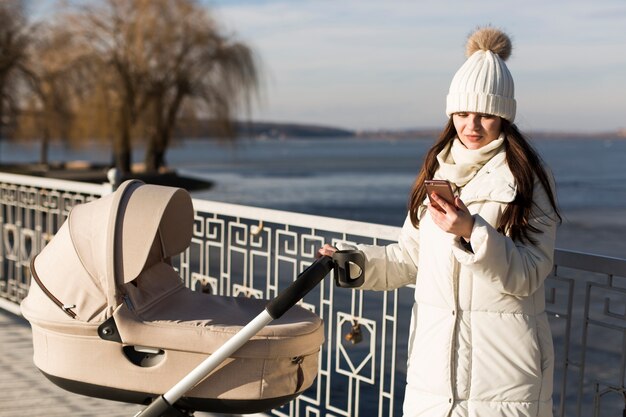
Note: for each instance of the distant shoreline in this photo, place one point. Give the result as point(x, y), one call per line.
point(277, 130)
point(538, 135)
point(205, 129)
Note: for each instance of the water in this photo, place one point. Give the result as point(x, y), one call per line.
point(346, 178)
point(356, 172)
point(369, 179)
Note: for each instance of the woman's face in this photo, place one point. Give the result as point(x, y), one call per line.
point(476, 130)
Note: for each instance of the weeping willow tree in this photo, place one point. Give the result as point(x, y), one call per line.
point(15, 39)
point(52, 98)
point(149, 59)
point(191, 62)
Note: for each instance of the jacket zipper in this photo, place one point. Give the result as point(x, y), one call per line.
point(455, 313)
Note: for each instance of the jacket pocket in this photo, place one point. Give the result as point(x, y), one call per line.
point(506, 358)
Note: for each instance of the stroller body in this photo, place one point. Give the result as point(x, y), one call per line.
point(111, 318)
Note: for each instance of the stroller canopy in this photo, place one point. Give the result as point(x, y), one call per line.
point(108, 242)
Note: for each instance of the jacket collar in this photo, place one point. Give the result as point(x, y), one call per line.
point(493, 182)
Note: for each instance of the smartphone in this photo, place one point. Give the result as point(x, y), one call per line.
point(443, 190)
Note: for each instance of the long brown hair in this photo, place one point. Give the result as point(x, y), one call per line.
point(523, 161)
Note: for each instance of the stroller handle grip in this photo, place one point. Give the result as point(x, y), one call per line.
point(306, 281)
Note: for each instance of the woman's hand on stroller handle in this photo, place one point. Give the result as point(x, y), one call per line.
point(327, 250)
point(349, 265)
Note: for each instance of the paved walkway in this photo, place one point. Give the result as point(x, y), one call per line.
point(24, 391)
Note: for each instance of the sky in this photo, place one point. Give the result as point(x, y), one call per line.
point(374, 64)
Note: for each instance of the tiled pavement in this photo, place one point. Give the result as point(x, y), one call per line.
point(24, 391)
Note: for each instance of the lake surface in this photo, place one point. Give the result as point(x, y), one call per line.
point(369, 179)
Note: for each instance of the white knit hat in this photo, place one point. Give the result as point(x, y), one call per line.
point(484, 84)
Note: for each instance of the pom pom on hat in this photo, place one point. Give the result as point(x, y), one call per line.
point(484, 84)
point(489, 39)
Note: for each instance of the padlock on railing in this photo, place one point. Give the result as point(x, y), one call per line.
point(355, 336)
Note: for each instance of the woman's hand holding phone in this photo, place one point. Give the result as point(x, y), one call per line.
point(448, 211)
point(442, 189)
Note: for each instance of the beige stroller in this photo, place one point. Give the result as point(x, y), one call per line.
point(112, 319)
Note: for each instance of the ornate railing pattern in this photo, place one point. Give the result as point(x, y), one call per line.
point(31, 211)
point(586, 296)
point(256, 252)
point(248, 251)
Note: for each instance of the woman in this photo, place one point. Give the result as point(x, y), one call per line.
point(480, 343)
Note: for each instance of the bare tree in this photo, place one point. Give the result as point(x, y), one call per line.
point(189, 59)
point(150, 56)
point(111, 32)
point(14, 41)
point(53, 84)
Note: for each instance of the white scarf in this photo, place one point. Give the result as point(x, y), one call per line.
point(459, 164)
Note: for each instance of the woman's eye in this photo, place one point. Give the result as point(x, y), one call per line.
point(462, 114)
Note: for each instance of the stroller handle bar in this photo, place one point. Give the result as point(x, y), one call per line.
point(306, 281)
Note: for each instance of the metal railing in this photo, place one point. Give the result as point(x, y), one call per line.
point(31, 211)
point(248, 251)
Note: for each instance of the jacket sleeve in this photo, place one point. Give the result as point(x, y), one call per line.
point(515, 268)
point(392, 266)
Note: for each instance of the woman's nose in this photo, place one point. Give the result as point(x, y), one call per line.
point(473, 121)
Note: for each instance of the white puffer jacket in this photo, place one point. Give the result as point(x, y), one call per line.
point(480, 343)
